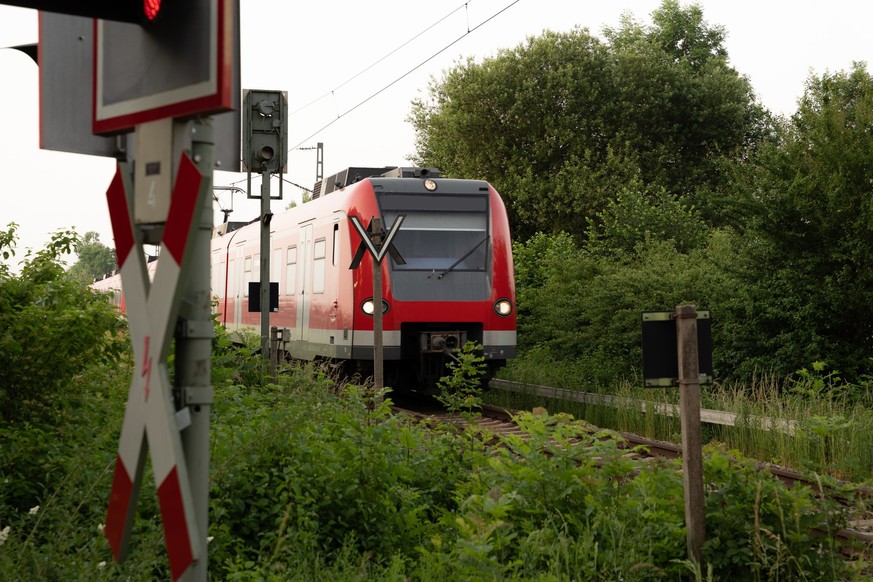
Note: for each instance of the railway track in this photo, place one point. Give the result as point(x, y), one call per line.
point(707, 416)
point(499, 422)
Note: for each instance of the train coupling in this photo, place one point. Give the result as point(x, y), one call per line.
point(441, 341)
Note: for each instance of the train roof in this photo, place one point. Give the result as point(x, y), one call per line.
point(356, 174)
point(385, 179)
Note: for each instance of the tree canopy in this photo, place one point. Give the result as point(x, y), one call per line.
point(809, 248)
point(95, 259)
point(562, 123)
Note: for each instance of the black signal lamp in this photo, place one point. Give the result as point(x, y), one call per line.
point(265, 153)
point(151, 9)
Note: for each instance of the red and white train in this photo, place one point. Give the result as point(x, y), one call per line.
point(456, 284)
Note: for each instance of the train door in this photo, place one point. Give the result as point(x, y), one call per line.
point(305, 252)
point(333, 268)
point(236, 283)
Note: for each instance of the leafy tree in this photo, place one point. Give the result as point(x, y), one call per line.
point(685, 35)
point(633, 219)
point(809, 245)
point(562, 123)
point(583, 306)
point(683, 110)
point(536, 262)
point(523, 120)
point(95, 259)
point(50, 327)
point(535, 259)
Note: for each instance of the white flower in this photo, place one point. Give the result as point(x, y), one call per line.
point(34, 510)
point(101, 565)
point(101, 527)
point(209, 539)
point(4, 533)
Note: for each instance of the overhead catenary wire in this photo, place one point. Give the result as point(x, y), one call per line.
point(304, 188)
point(410, 71)
point(332, 92)
point(367, 68)
point(287, 181)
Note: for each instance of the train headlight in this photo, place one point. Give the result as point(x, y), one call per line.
point(503, 307)
point(369, 307)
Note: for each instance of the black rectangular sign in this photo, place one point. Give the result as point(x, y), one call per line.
point(255, 296)
point(660, 357)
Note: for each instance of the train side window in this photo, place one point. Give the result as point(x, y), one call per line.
point(247, 277)
point(291, 272)
point(276, 266)
point(319, 253)
point(335, 249)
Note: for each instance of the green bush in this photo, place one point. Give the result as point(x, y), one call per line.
point(461, 389)
point(566, 501)
point(51, 328)
point(587, 306)
point(759, 529)
point(327, 473)
point(52, 331)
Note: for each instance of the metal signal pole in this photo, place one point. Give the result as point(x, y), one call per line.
point(266, 217)
point(378, 246)
point(378, 350)
point(265, 134)
point(194, 351)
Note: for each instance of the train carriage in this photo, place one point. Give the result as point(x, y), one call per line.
point(454, 284)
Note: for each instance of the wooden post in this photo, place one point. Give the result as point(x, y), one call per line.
point(692, 448)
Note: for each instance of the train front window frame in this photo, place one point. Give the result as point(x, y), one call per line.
point(441, 233)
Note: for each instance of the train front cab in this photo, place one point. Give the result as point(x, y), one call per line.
point(455, 284)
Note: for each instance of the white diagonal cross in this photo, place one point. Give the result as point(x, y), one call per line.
point(152, 309)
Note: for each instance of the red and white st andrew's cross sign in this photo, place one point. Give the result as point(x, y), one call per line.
point(152, 310)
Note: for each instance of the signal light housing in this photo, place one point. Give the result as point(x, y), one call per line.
point(265, 131)
point(133, 11)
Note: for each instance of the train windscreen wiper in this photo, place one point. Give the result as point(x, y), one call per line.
point(459, 261)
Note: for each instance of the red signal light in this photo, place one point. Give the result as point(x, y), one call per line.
point(151, 8)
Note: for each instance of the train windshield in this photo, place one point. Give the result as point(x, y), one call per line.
point(440, 233)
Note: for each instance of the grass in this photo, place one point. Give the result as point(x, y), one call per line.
point(832, 436)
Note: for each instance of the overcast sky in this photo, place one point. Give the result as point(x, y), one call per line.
point(312, 49)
